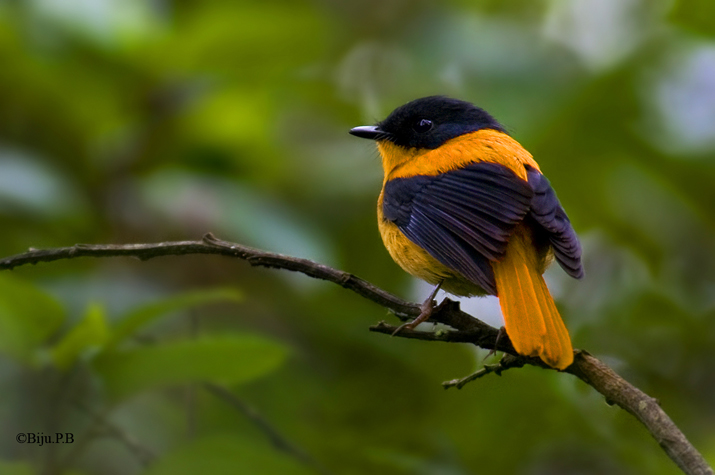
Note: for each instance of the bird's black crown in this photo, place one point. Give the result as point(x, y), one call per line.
point(431, 121)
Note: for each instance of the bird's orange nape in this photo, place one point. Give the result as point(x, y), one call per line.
point(485, 145)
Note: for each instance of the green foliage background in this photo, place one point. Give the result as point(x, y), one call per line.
point(136, 121)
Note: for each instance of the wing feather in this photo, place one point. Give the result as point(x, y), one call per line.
point(462, 218)
point(550, 215)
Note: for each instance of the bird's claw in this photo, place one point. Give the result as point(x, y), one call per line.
point(408, 325)
point(493, 351)
point(426, 311)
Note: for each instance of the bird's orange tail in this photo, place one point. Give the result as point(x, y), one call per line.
point(532, 321)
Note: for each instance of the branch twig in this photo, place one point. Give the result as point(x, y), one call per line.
point(467, 329)
point(506, 362)
point(101, 425)
point(278, 441)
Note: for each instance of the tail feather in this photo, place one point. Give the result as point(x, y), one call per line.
point(532, 321)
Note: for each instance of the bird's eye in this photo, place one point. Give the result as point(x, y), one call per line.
point(422, 126)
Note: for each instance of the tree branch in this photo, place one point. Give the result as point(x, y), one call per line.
point(643, 407)
point(467, 329)
point(211, 245)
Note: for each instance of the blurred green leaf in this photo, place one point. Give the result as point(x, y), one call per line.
point(231, 117)
point(90, 333)
point(22, 468)
point(228, 359)
point(709, 452)
point(695, 15)
point(149, 313)
point(16, 468)
point(272, 38)
point(227, 454)
point(28, 316)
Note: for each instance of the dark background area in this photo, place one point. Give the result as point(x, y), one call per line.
point(128, 121)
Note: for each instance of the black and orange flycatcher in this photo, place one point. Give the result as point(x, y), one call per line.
point(465, 207)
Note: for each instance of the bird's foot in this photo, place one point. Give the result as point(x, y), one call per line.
point(426, 310)
point(493, 351)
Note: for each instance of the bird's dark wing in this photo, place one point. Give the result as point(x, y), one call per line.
point(462, 218)
point(548, 213)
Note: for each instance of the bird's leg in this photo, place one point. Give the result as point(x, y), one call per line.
point(426, 310)
point(493, 351)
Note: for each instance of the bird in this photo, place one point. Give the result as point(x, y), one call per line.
point(465, 207)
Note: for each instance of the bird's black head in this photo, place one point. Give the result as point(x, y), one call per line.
point(429, 122)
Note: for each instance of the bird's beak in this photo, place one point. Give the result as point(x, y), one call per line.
point(368, 132)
